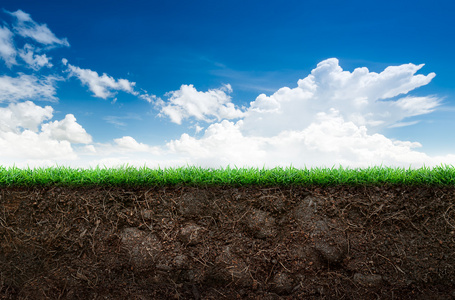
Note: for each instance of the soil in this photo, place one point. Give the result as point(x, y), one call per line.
point(182, 242)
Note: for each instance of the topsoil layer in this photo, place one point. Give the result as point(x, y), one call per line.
point(390, 242)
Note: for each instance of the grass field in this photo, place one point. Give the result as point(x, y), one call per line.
point(197, 176)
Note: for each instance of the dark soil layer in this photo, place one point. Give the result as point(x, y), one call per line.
point(389, 242)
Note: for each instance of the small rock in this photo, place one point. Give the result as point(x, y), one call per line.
point(262, 224)
point(332, 253)
point(143, 247)
point(307, 208)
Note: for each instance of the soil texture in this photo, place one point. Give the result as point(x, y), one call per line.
point(182, 242)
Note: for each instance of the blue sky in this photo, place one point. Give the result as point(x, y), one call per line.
point(216, 83)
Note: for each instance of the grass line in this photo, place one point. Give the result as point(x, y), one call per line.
point(197, 176)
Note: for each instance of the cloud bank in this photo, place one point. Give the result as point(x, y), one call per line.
point(331, 117)
point(24, 137)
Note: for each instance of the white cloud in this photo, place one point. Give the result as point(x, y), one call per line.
point(332, 117)
point(149, 98)
point(24, 115)
point(66, 130)
point(358, 96)
point(362, 97)
point(222, 144)
point(199, 128)
point(129, 143)
point(89, 149)
point(21, 139)
point(329, 141)
point(24, 87)
point(336, 141)
point(30, 53)
point(31, 145)
point(403, 124)
point(34, 60)
point(7, 48)
point(414, 106)
point(101, 86)
point(26, 27)
point(188, 102)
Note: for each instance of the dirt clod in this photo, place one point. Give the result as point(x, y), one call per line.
point(372, 280)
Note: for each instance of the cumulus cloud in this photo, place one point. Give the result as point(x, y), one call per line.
point(26, 27)
point(24, 115)
point(101, 86)
point(329, 141)
point(22, 139)
point(66, 130)
point(129, 143)
point(223, 143)
point(188, 102)
point(31, 145)
point(25, 87)
point(7, 48)
point(337, 141)
point(362, 97)
point(332, 117)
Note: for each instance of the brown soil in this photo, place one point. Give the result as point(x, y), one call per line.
point(389, 242)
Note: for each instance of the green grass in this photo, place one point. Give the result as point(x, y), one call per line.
point(196, 176)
